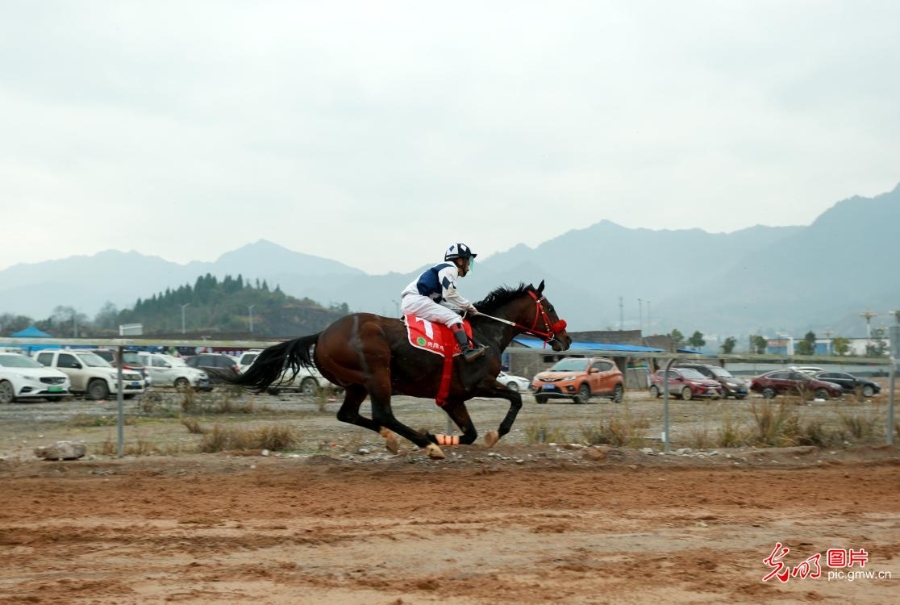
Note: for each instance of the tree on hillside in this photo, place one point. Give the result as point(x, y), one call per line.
point(696, 340)
point(10, 324)
point(878, 347)
point(107, 317)
point(728, 345)
point(840, 345)
point(807, 346)
point(677, 337)
point(758, 344)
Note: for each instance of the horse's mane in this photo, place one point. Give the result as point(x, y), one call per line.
point(501, 296)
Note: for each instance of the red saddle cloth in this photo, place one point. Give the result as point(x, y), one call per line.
point(436, 338)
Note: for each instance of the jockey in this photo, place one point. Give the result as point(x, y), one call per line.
point(433, 296)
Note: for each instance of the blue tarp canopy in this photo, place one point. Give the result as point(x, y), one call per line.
point(30, 332)
point(534, 343)
point(696, 352)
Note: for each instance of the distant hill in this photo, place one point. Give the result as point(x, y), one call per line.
point(760, 279)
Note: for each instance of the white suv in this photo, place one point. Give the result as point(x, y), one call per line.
point(173, 372)
point(91, 374)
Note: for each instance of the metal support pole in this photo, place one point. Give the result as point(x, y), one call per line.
point(890, 410)
point(666, 406)
point(120, 400)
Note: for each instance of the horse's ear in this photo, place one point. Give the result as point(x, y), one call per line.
point(540, 288)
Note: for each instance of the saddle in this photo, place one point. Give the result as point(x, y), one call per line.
point(438, 339)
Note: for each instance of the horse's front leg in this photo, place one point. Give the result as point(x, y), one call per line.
point(498, 390)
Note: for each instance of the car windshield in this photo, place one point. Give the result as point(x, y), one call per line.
point(17, 361)
point(692, 374)
point(721, 372)
point(176, 362)
point(570, 365)
point(248, 359)
point(92, 360)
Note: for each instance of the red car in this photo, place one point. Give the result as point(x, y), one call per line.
point(792, 382)
point(685, 383)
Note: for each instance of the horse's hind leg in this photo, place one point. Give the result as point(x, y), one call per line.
point(349, 412)
point(459, 414)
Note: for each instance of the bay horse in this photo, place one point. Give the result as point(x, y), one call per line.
point(370, 355)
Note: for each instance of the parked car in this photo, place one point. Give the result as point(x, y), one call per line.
point(849, 383)
point(308, 381)
point(807, 369)
point(685, 383)
point(246, 359)
point(793, 382)
point(513, 383)
point(22, 378)
point(212, 364)
point(174, 372)
point(579, 379)
point(732, 386)
point(132, 362)
point(91, 374)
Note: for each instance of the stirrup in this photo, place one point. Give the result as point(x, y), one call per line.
point(473, 353)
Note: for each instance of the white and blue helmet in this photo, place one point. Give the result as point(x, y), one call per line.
point(458, 251)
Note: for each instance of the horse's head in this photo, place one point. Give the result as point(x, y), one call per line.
point(554, 328)
point(528, 309)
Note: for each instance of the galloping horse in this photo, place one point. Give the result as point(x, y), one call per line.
point(370, 355)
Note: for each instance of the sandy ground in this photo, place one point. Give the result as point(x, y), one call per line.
point(521, 523)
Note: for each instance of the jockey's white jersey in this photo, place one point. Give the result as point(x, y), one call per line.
point(439, 284)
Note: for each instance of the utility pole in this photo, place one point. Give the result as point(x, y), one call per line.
point(649, 318)
point(74, 324)
point(621, 315)
point(868, 315)
point(641, 316)
point(183, 307)
point(250, 307)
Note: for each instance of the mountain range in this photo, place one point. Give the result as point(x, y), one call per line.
point(760, 280)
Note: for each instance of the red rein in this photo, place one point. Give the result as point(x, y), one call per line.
point(541, 313)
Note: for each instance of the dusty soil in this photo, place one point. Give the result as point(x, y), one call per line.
point(343, 522)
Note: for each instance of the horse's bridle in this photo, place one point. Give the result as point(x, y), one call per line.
point(551, 329)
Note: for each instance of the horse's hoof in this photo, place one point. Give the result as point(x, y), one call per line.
point(491, 438)
point(434, 452)
point(390, 441)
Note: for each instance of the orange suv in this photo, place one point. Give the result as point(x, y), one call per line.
point(579, 379)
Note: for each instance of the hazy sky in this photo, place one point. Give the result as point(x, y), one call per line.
point(377, 133)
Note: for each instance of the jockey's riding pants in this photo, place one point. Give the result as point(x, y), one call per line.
point(424, 307)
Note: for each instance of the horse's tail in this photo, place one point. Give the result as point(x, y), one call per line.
point(274, 362)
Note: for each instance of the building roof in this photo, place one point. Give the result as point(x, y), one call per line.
point(534, 343)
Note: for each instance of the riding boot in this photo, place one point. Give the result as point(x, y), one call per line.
point(469, 352)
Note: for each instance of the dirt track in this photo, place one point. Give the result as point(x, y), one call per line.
point(475, 528)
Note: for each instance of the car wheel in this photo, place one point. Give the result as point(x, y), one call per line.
point(821, 393)
point(97, 390)
point(182, 384)
point(7, 393)
point(768, 393)
point(868, 391)
point(584, 393)
point(540, 398)
point(309, 386)
point(739, 396)
point(654, 391)
point(686, 393)
point(618, 393)
point(512, 386)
